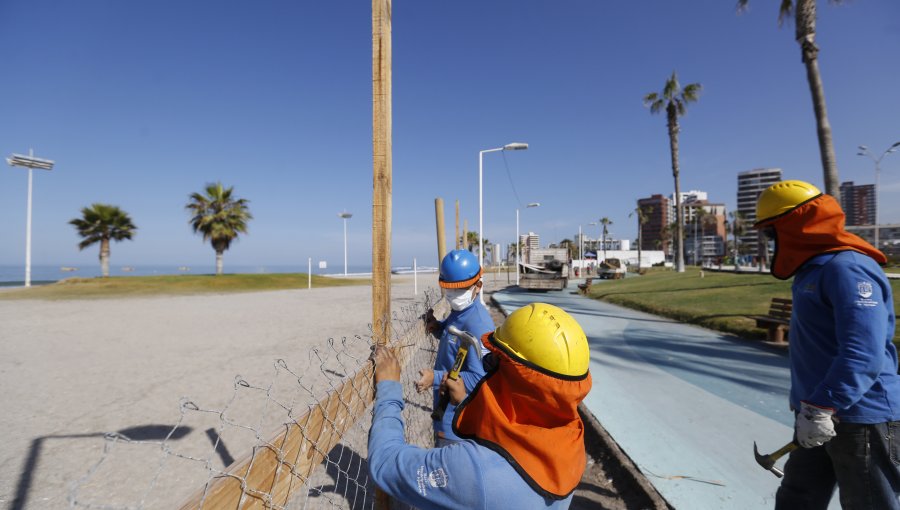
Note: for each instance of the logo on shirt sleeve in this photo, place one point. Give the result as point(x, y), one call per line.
point(864, 289)
point(436, 479)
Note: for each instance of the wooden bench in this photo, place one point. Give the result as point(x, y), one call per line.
point(778, 321)
point(584, 287)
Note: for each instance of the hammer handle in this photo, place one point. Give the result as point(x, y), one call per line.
point(438, 413)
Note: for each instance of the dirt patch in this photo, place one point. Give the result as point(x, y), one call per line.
point(611, 480)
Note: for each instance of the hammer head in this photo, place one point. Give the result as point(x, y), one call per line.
point(767, 461)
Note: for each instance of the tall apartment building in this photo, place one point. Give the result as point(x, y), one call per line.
point(858, 203)
point(656, 207)
point(530, 240)
point(750, 184)
point(687, 197)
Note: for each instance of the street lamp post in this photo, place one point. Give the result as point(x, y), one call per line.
point(864, 151)
point(346, 216)
point(30, 162)
point(508, 147)
point(532, 204)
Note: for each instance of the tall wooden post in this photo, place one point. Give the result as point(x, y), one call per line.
point(457, 225)
point(382, 175)
point(381, 160)
point(439, 223)
point(465, 235)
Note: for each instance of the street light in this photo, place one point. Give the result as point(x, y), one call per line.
point(346, 216)
point(516, 146)
point(532, 204)
point(864, 151)
point(30, 162)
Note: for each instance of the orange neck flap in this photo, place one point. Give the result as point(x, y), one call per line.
point(811, 229)
point(530, 417)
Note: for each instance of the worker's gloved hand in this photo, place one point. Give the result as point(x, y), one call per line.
point(814, 425)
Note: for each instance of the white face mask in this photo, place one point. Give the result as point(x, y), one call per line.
point(460, 299)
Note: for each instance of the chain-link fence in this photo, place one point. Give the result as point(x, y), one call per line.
point(297, 440)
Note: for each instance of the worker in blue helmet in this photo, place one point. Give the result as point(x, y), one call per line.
point(461, 280)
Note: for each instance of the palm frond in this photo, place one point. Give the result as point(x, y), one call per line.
point(691, 92)
point(671, 88)
point(785, 11)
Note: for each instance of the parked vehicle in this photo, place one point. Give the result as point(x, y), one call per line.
point(545, 269)
point(611, 269)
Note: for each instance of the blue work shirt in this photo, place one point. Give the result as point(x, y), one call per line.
point(464, 475)
point(841, 351)
point(474, 319)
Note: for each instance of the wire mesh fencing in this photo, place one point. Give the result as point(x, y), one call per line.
point(296, 440)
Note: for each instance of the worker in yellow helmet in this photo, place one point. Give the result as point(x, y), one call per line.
point(523, 440)
point(844, 383)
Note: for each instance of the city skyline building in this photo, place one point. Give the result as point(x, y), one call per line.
point(656, 207)
point(750, 184)
point(858, 203)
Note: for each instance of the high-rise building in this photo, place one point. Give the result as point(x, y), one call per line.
point(656, 208)
point(858, 203)
point(750, 184)
point(687, 197)
point(530, 240)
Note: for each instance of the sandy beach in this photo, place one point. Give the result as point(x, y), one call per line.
point(73, 370)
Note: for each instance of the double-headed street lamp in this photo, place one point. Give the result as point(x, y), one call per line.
point(532, 204)
point(30, 162)
point(864, 151)
point(346, 216)
point(508, 147)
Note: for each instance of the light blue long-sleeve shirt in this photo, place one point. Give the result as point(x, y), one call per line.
point(464, 475)
point(841, 351)
point(476, 320)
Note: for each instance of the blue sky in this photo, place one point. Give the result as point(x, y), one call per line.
point(142, 103)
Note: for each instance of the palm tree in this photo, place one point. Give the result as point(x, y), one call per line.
point(738, 227)
point(804, 12)
point(707, 220)
point(605, 222)
point(673, 99)
point(643, 214)
point(219, 217)
point(103, 223)
point(571, 249)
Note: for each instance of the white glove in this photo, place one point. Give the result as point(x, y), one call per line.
point(814, 425)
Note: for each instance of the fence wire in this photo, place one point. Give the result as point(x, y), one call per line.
point(295, 441)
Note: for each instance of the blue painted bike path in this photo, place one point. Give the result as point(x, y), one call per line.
point(685, 403)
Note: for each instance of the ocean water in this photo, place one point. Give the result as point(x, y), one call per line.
point(43, 274)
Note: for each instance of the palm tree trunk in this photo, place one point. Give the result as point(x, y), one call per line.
point(219, 262)
point(640, 241)
point(104, 257)
point(806, 37)
point(679, 218)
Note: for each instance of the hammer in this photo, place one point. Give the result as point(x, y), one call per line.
point(466, 340)
point(768, 461)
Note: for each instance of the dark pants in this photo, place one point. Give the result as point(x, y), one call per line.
point(862, 460)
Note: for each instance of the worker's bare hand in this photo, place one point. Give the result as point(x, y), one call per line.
point(387, 368)
point(426, 379)
point(431, 323)
point(456, 389)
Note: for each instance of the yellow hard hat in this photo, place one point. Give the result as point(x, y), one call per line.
point(546, 336)
point(782, 197)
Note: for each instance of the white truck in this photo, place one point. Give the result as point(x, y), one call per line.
point(545, 269)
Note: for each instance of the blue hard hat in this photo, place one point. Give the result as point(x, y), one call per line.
point(459, 270)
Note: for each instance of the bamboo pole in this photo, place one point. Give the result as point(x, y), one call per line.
point(381, 160)
point(381, 179)
point(465, 235)
point(457, 225)
point(439, 222)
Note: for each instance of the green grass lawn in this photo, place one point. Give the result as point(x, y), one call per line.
point(139, 286)
point(720, 301)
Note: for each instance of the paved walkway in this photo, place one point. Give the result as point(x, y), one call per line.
point(685, 403)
